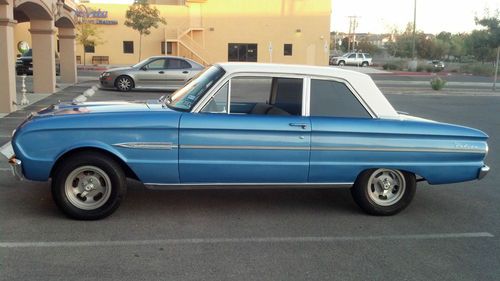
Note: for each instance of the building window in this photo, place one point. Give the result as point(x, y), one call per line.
point(89, 48)
point(287, 49)
point(242, 52)
point(168, 48)
point(128, 47)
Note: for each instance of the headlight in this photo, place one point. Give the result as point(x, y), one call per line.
point(13, 132)
point(105, 74)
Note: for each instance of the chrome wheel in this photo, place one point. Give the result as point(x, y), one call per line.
point(124, 84)
point(386, 187)
point(87, 187)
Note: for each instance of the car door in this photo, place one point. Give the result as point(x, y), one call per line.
point(251, 132)
point(343, 131)
point(351, 59)
point(178, 71)
point(152, 75)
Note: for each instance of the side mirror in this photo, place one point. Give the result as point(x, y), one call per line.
point(144, 68)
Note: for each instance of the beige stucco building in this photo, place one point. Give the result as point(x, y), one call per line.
point(208, 31)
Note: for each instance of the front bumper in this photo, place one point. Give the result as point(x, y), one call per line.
point(15, 164)
point(17, 168)
point(107, 82)
point(483, 172)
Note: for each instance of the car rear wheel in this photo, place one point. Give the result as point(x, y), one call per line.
point(364, 64)
point(341, 63)
point(384, 192)
point(124, 83)
point(88, 186)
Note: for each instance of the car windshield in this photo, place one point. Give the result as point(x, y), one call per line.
point(186, 97)
point(141, 62)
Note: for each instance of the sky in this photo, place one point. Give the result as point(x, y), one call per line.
point(433, 16)
point(383, 16)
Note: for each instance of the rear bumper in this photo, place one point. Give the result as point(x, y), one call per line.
point(483, 172)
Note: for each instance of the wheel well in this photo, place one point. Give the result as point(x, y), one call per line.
point(418, 177)
point(124, 75)
point(126, 169)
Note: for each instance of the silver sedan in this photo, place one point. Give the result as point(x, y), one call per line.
point(160, 72)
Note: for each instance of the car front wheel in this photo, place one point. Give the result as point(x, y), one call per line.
point(341, 63)
point(124, 83)
point(384, 192)
point(88, 186)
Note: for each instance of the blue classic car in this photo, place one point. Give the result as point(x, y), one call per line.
point(243, 125)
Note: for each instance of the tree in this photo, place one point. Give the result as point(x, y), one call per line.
point(87, 35)
point(141, 17)
point(367, 47)
point(492, 36)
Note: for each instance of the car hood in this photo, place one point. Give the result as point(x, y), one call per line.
point(118, 69)
point(99, 107)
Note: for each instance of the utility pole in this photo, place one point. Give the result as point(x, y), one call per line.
point(353, 24)
point(414, 29)
point(413, 64)
point(496, 70)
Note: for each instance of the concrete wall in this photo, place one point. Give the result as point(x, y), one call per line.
point(224, 21)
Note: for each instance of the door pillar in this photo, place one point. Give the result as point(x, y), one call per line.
point(7, 57)
point(44, 67)
point(67, 55)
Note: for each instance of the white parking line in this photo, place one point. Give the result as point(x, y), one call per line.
point(310, 239)
point(5, 169)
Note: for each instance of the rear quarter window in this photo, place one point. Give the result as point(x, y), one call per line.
point(334, 99)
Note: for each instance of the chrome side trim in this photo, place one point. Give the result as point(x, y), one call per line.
point(201, 186)
point(333, 148)
point(244, 147)
point(397, 149)
point(483, 172)
point(147, 145)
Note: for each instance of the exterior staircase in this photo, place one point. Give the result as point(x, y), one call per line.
point(184, 39)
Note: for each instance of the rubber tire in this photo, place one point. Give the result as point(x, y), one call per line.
point(360, 195)
point(102, 161)
point(364, 64)
point(131, 83)
point(341, 63)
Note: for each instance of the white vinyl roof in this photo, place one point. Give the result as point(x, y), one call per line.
point(360, 82)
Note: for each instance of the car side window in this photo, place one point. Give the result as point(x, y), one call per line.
point(353, 56)
point(266, 96)
point(156, 65)
point(218, 103)
point(360, 56)
point(334, 99)
point(259, 96)
point(177, 64)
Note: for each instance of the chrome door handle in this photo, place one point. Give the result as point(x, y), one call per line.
point(161, 72)
point(185, 72)
point(302, 125)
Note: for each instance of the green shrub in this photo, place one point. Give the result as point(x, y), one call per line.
point(429, 68)
point(420, 68)
point(390, 66)
point(477, 69)
point(437, 83)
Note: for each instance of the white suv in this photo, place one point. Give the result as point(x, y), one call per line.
point(359, 59)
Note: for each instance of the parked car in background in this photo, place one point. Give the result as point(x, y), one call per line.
point(358, 59)
point(245, 125)
point(437, 64)
point(159, 72)
point(24, 64)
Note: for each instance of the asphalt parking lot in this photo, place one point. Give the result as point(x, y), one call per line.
point(449, 232)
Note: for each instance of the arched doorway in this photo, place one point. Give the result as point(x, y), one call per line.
point(43, 17)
